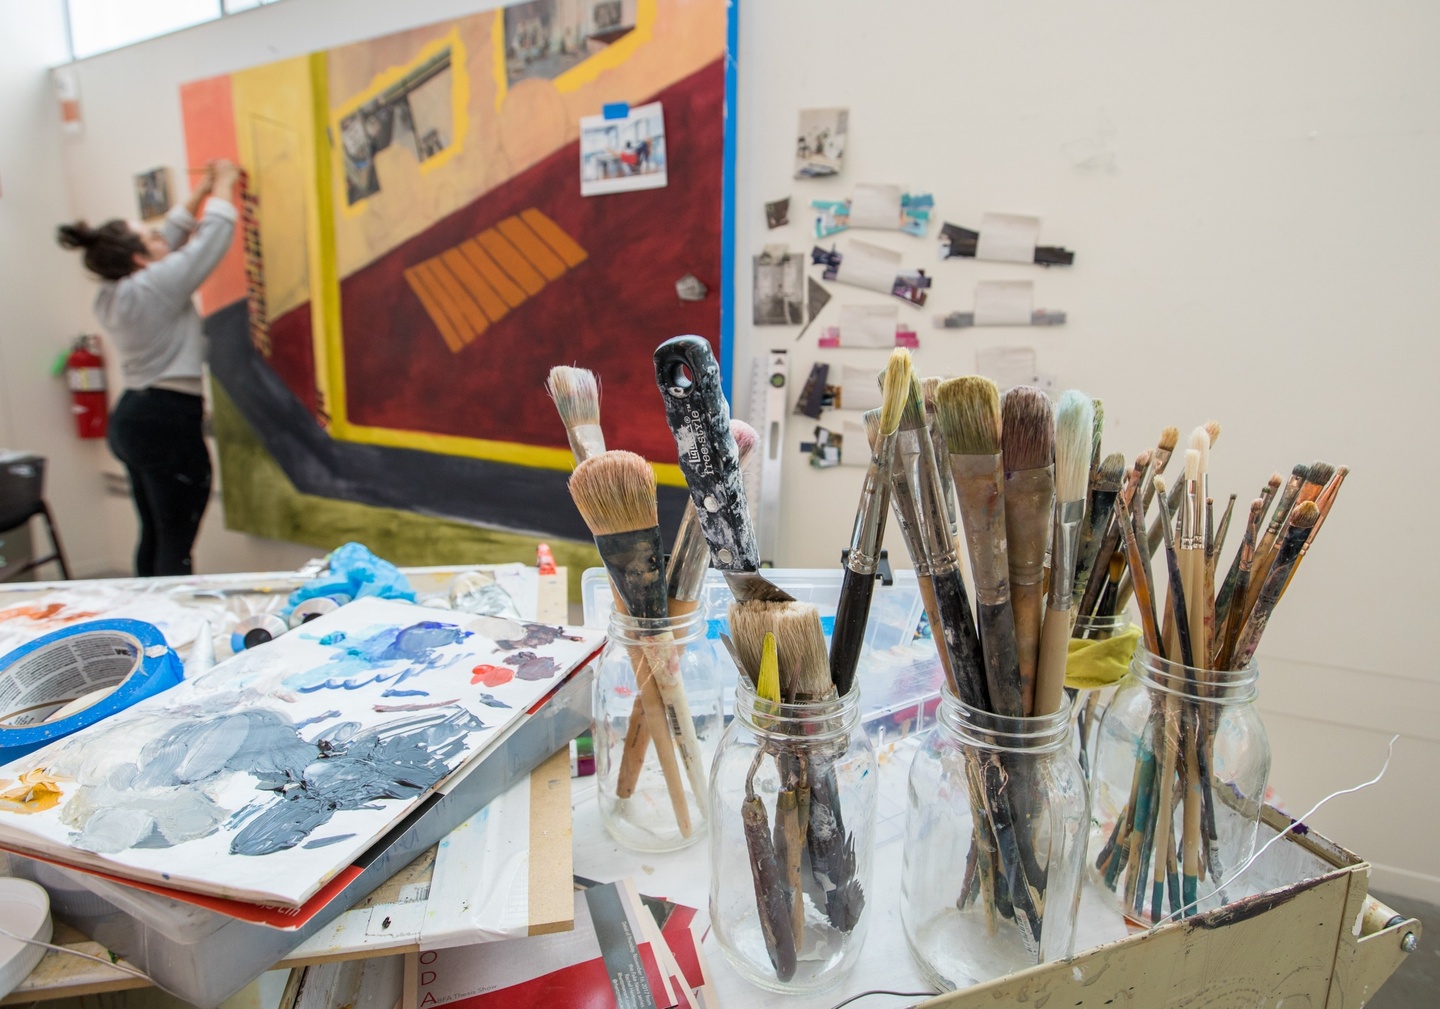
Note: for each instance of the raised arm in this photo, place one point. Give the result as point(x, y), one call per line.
point(182, 218)
point(176, 277)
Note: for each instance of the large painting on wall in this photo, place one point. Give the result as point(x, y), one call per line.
point(418, 253)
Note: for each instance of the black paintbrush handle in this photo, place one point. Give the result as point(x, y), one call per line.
point(851, 615)
point(1002, 659)
point(960, 637)
point(699, 418)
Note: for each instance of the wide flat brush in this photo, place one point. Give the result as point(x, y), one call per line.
point(1074, 423)
point(1027, 446)
point(861, 564)
point(615, 493)
point(968, 411)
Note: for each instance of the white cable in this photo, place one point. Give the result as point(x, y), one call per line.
point(75, 952)
point(1296, 822)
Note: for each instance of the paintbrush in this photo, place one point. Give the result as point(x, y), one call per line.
point(1192, 544)
point(1324, 502)
point(1227, 587)
point(1212, 429)
point(968, 411)
point(1245, 562)
point(1131, 529)
point(1317, 475)
point(1074, 423)
point(1164, 449)
point(861, 564)
point(1213, 548)
point(1266, 543)
point(947, 483)
point(615, 493)
point(1027, 446)
point(699, 418)
point(1096, 431)
point(576, 393)
point(1302, 521)
point(1104, 487)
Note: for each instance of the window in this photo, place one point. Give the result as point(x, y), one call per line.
point(97, 26)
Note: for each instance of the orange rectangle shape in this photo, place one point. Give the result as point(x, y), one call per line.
point(532, 247)
point(510, 260)
point(472, 320)
point(434, 310)
point(490, 302)
point(490, 270)
point(565, 247)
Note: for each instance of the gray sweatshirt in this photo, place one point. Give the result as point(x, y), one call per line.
point(150, 316)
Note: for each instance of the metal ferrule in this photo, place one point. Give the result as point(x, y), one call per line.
point(979, 488)
point(1028, 492)
point(1191, 536)
point(1064, 552)
point(689, 560)
point(905, 498)
point(947, 483)
point(870, 515)
point(934, 518)
point(586, 440)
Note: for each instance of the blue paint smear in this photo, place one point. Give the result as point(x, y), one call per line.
point(324, 842)
point(362, 661)
point(333, 638)
point(318, 718)
point(406, 693)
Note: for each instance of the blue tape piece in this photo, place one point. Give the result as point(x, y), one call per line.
point(159, 669)
point(615, 110)
point(714, 627)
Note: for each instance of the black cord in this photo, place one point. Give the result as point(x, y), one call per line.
point(882, 991)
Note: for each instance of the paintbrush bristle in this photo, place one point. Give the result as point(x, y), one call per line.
point(576, 393)
point(1320, 473)
point(872, 427)
point(747, 439)
point(1275, 481)
point(1027, 428)
point(895, 390)
point(615, 492)
point(1212, 431)
point(799, 639)
point(1159, 485)
point(927, 391)
point(1169, 438)
point(1300, 472)
point(1304, 515)
point(1111, 472)
point(1097, 430)
point(1200, 442)
point(912, 415)
point(968, 412)
point(1192, 464)
point(1074, 430)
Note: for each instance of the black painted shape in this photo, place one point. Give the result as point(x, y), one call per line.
point(515, 498)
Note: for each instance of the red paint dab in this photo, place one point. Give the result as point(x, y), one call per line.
point(491, 676)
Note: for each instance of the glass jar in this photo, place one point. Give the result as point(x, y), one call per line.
point(1089, 703)
point(792, 796)
point(1190, 739)
point(654, 798)
point(995, 831)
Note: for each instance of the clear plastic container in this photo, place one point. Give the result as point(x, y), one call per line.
point(647, 804)
point(1191, 739)
point(792, 794)
point(995, 832)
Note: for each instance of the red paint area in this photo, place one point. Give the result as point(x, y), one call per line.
point(491, 676)
point(292, 355)
point(607, 314)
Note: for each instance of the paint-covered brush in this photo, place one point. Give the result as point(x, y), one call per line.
point(1317, 475)
point(699, 417)
point(1228, 586)
point(1324, 502)
point(1301, 523)
point(1192, 545)
point(927, 392)
point(1178, 609)
point(968, 410)
point(1132, 529)
point(1244, 564)
point(1027, 446)
point(576, 393)
point(615, 493)
point(1160, 458)
point(690, 559)
point(1104, 487)
point(863, 561)
point(1074, 422)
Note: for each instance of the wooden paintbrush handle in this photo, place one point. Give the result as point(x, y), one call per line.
point(665, 750)
point(1002, 663)
point(1050, 673)
point(632, 758)
point(1026, 601)
point(664, 662)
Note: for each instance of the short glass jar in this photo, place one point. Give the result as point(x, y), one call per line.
point(1180, 765)
point(653, 676)
point(792, 795)
point(995, 832)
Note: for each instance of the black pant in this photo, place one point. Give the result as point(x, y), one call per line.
point(156, 433)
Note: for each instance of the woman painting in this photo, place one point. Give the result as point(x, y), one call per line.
point(148, 276)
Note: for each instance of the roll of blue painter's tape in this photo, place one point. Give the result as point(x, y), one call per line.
point(41, 677)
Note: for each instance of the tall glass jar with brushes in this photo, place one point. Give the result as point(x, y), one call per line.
point(792, 794)
point(995, 832)
point(1179, 770)
point(657, 709)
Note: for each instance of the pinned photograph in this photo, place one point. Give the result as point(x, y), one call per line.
point(779, 287)
point(820, 145)
point(622, 153)
point(777, 213)
point(152, 189)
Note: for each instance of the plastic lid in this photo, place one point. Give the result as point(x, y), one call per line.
point(24, 910)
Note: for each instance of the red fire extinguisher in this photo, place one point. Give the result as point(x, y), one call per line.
point(85, 372)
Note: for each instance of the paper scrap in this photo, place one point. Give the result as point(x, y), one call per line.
point(623, 154)
point(820, 142)
point(812, 394)
point(1007, 366)
point(859, 388)
point(827, 448)
point(1004, 302)
point(875, 206)
point(853, 433)
point(779, 287)
point(777, 213)
point(1008, 238)
point(869, 266)
point(691, 288)
point(869, 325)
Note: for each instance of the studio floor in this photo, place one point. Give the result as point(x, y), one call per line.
point(1416, 985)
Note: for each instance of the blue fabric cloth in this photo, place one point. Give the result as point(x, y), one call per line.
point(354, 572)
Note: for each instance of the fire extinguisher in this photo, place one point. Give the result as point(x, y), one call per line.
point(85, 373)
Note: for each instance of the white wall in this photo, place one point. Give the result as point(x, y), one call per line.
point(1250, 193)
point(1250, 190)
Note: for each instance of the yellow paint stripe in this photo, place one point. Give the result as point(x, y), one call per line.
point(490, 270)
point(490, 302)
point(433, 308)
point(510, 260)
point(533, 249)
point(465, 311)
point(552, 234)
point(325, 297)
